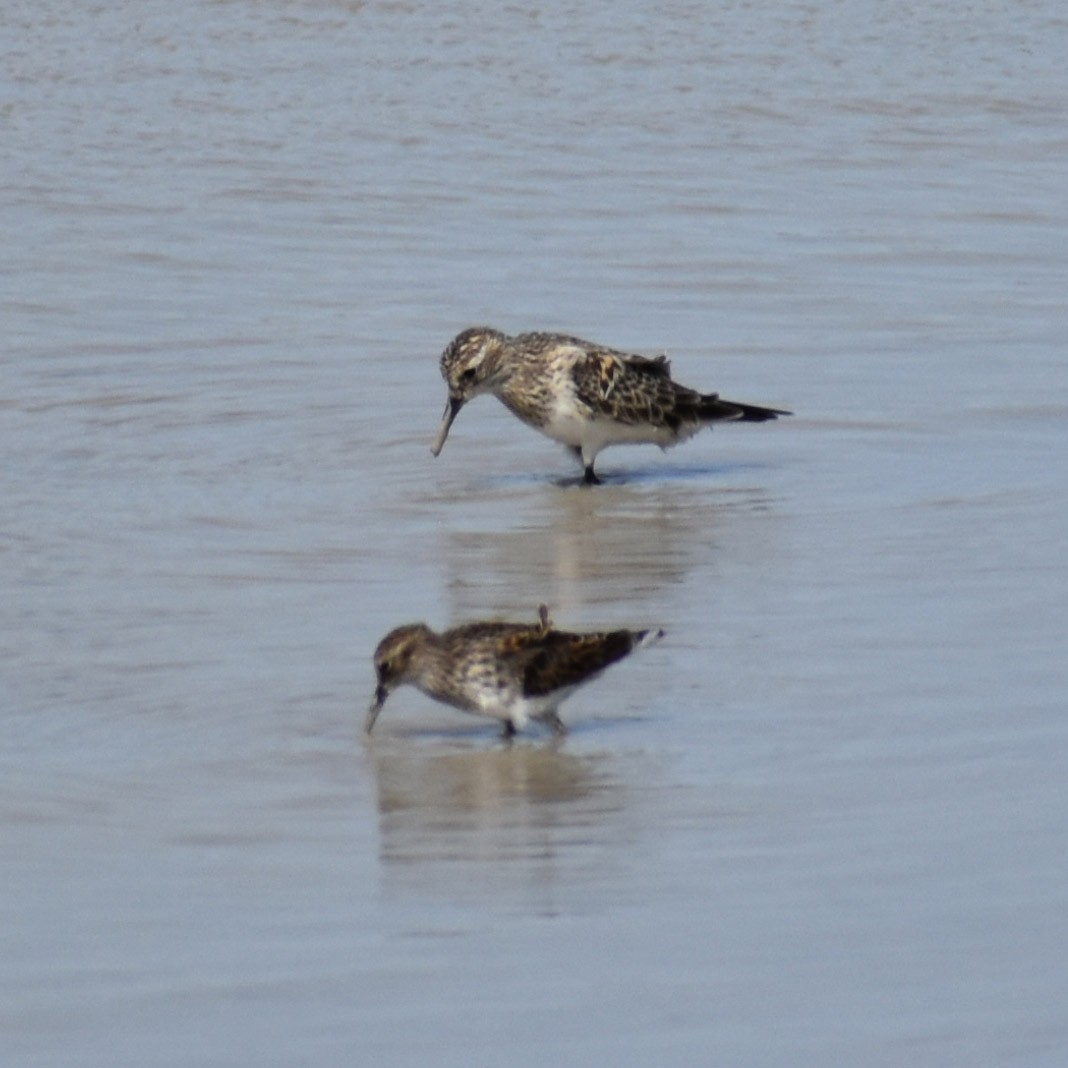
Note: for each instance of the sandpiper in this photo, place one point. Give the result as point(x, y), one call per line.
point(514, 672)
point(581, 394)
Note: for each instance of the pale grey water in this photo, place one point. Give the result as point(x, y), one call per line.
point(824, 823)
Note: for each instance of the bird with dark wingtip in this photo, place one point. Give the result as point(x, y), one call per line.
point(583, 395)
point(513, 672)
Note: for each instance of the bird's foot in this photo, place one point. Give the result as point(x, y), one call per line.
point(555, 723)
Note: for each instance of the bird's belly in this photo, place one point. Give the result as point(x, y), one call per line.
point(571, 426)
point(567, 425)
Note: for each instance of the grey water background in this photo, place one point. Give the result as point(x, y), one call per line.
point(824, 822)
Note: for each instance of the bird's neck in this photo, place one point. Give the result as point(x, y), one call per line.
point(429, 667)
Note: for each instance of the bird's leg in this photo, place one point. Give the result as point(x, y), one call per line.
point(553, 720)
point(508, 731)
point(588, 477)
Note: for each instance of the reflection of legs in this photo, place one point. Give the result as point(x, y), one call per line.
point(508, 731)
point(551, 719)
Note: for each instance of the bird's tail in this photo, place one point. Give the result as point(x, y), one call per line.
point(715, 409)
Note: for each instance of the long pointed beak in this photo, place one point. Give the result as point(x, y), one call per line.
point(381, 693)
point(452, 409)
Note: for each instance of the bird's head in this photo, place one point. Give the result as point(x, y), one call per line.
point(393, 663)
point(470, 365)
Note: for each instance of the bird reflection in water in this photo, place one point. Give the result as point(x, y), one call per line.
point(522, 815)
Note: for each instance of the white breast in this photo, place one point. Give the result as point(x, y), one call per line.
point(572, 424)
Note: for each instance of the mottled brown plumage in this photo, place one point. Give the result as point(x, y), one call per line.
point(581, 394)
point(513, 672)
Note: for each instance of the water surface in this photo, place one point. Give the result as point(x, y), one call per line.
point(823, 822)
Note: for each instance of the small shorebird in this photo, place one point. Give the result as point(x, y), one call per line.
point(581, 394)
point(514, 672)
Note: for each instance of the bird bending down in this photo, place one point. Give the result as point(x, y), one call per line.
point(581, 394)
point(514, 672)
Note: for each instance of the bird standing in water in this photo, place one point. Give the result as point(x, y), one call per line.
point(581, 394)
point(514, 672)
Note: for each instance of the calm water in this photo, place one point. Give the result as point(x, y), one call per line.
point(823, 823)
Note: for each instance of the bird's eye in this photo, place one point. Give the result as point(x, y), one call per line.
point(468, 376)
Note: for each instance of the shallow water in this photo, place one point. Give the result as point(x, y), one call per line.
point(823, 821)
